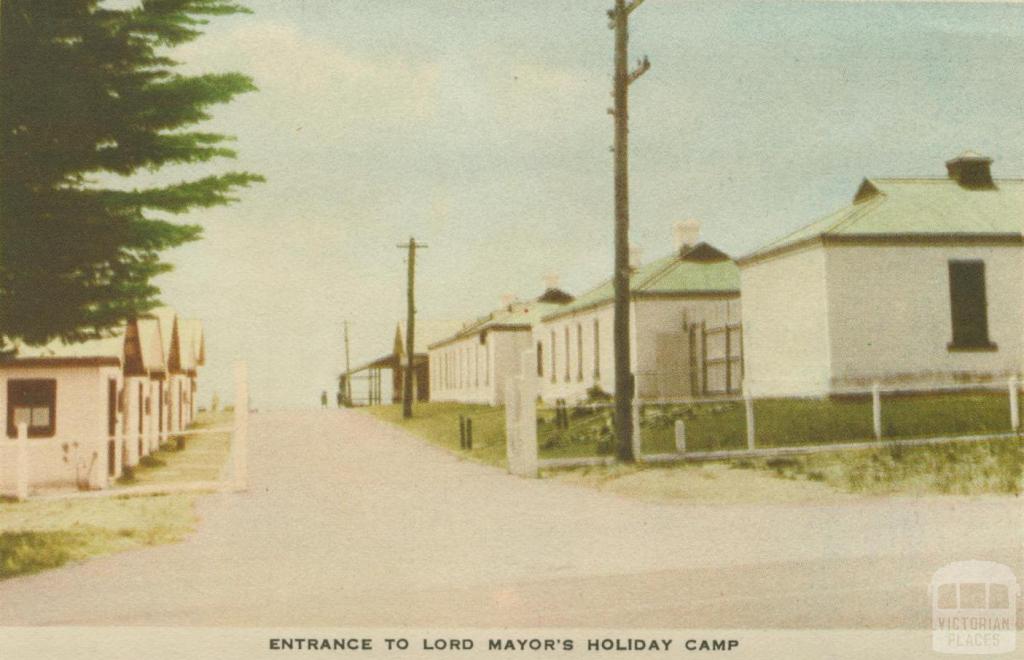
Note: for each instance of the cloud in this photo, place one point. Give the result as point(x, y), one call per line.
point(309, 81)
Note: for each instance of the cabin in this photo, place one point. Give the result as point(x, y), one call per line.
point(95, 407)
point(916, 282)
point(473, 364)
point(685, 334)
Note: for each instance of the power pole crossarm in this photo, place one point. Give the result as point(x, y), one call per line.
point(641, 68)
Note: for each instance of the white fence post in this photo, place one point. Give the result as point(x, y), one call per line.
point(240, 439)
point(512, 415)
point(680, 436)
point(637, 432)
point(1014, 404)
point(21, 464)
point(526, 422)
point(748, 402)
point(876, 410)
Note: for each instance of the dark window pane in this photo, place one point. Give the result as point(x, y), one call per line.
point(969, 308)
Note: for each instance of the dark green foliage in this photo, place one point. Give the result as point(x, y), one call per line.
point(31, 552)
point(86, 91)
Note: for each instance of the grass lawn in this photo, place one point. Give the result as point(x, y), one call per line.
point(438, 423)
point(202, 459)
point(41, 534)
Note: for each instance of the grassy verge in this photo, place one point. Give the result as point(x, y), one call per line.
point(202, 458)
point(42, 534)
point(438, 423)
point(782, 422)
point(37, 535)
point(969, 468)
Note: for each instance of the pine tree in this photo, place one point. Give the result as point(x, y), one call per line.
point(86, 90)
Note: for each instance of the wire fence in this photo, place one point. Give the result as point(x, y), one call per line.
point(850, 418)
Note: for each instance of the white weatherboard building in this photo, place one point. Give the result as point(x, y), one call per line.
point(685, 336)
point(473, 364)
point(917, 282)
point(97, 406)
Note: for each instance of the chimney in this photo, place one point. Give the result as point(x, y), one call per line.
point(551, 281)
point(507, 299)
point(636, 256)
point(971, 170)
point(685, 234)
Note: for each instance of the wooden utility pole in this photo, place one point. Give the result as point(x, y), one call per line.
point(410, 327)
point(624, 380)
point(347, 394)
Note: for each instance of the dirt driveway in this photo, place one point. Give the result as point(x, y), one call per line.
point(351, 522)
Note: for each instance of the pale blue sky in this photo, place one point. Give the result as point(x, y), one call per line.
point(480, 127)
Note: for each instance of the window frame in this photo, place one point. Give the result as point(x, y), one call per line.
point(47, 431)
point(959, 343)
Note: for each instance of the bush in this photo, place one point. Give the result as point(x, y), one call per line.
point(151, 462)
point(597, 395)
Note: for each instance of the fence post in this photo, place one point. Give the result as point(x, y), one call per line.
point(21, 464)
point(680, 436)
point(1014, 404)
point(748, 402)
point(240, 437)
point(469, 433)
point(876, 410)
point(528, 466)
point(637, 437)
point(512, 415)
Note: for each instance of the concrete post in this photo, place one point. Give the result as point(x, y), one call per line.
point(680, 436)
point(21, 464)
point(637, 433)
point(748, 402)
point(512, 414)
point(1014, 389)
point(528, 466)
point(119, 443)
point(876, 410)
point(239, 441)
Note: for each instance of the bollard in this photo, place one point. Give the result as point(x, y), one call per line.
point(469, 434)
point(876, 410)
point(1014, 404)
point(21, 465)
point(462, 432)
point(680, 436)
point(748, 402)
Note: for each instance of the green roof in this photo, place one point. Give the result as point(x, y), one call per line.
point(699, 270)
point(922, 207)
point(518, 315)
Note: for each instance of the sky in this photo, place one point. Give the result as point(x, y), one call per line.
point(481, 129)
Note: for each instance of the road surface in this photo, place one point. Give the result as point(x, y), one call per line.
point(351, 522)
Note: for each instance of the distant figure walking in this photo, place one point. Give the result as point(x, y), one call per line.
point(341, 399)
point(323, 399)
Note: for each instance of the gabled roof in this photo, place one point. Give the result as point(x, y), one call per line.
point(698, 270)
point(107, 350)
point(151, 345)
point(190, 343)
point(428, 331)
point(519, 315)
point(916, 208)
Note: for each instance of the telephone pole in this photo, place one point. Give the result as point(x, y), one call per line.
point(410, 326)
point(347, 394)
point(625, 384)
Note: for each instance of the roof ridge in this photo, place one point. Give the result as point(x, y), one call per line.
point(859, 210)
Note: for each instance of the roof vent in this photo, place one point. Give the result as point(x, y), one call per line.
point(685, 234)
point(636, 256)
point(971, 170)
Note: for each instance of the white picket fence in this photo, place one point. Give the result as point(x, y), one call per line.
point(521, 425)
point(235, 479)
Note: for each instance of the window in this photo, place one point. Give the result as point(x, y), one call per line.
point(540, 358)
point(554, 364)
point(567, 354)
point(33, 402)
point(597, 349)
point(579, 352)
point(968, 306)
